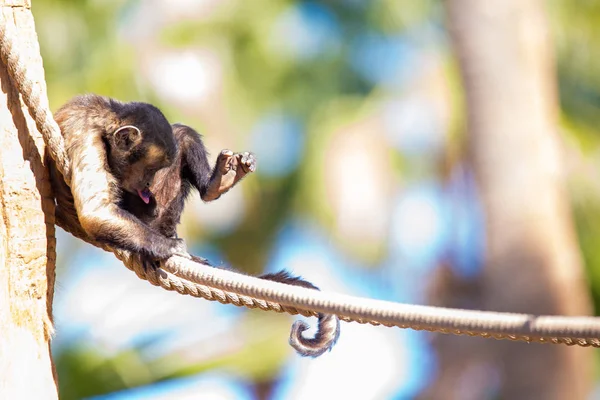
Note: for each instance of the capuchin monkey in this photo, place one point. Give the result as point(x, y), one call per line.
point(160, 205)
point(131, 174)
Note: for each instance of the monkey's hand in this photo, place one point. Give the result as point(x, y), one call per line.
point(178, 248)
point(229, 170)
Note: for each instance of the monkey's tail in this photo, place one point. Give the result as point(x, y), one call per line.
point(328, 332)
point(328, 326)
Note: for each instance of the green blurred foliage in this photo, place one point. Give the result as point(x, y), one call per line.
point(85, 371)
point(83, 52)
point(576, 31)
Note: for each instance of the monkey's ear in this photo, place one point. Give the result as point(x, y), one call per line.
point(126, 136)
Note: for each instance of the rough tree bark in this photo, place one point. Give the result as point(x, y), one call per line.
point(533, 263)
point(27, 242)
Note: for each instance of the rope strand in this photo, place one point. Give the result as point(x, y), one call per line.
point(33, 97)
point(583, 331)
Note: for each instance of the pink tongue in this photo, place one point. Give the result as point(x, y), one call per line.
point(145, 195)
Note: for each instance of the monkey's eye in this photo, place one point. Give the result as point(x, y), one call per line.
point(152, 170)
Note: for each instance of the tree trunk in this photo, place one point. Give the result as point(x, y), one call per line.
point(533, 263)
point(27, 242)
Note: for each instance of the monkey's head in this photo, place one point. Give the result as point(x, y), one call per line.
point(140, 144)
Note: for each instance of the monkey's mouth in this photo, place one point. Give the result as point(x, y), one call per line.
point(145, 195)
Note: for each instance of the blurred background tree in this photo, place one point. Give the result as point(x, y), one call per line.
point(365, 186)
point(532, 263)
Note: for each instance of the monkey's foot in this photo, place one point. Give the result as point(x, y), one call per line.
point(247, 161)
point(180, 248)
point(150, 264)
point(240, 163)
point(230, 169)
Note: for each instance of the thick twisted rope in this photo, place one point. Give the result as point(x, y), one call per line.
point(168, 279)
point(34, 98)
point(187, 277)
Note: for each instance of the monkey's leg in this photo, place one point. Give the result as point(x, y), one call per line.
point(230, 168)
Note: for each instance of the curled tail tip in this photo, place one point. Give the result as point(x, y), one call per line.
point(328, 332)
point(328, 328)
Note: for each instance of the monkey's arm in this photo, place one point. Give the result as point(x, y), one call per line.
point(229, 169)
point(95, 193)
